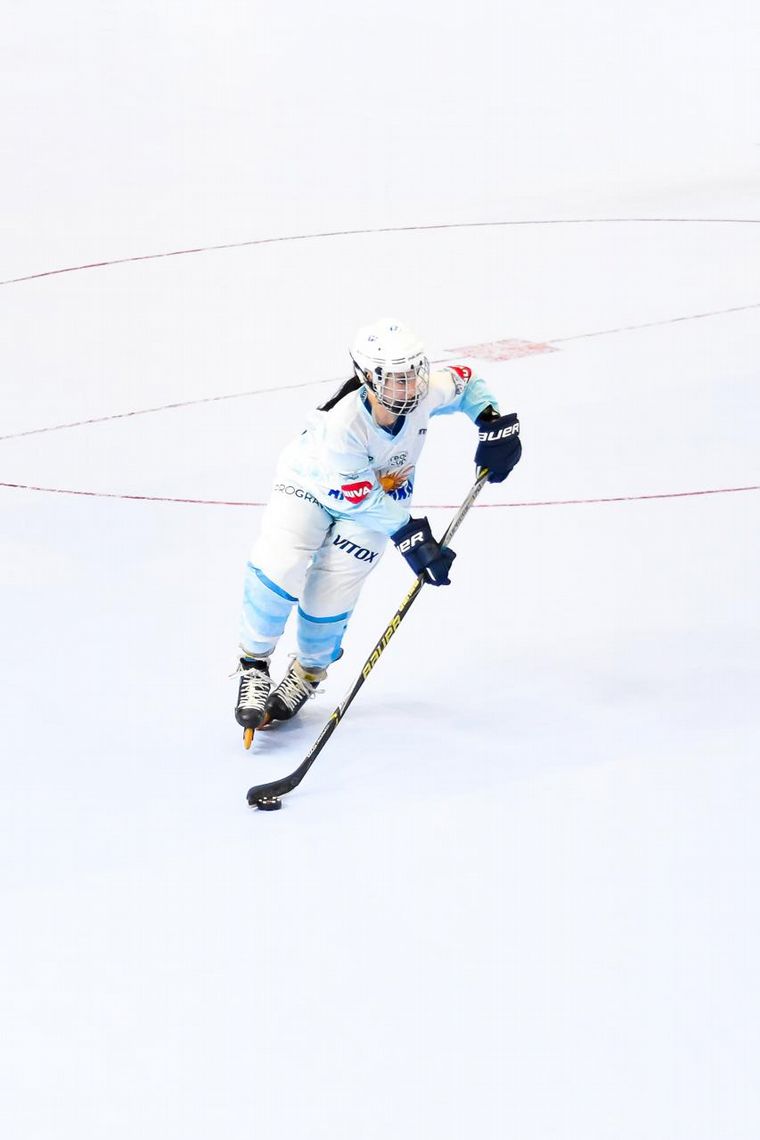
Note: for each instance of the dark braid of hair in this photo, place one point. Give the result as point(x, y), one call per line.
point(351, 385)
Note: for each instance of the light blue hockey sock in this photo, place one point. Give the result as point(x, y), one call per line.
point(266, 607)
point(319, 639)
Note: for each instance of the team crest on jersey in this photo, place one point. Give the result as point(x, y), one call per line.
point(397, 482)
point(356, 492)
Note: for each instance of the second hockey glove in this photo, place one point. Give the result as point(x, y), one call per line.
point(499, 447)
point(425, 556)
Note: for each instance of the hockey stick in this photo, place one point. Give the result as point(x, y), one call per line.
point(268, 796)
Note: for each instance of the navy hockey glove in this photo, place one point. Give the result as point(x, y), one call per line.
point(423, 553)
point(499, 448)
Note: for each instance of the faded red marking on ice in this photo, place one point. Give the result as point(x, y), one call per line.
point(422, 506)
point(495, 350)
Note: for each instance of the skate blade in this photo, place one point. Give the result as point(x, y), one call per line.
point(247, 738)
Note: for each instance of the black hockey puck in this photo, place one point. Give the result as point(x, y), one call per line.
point(269, 803)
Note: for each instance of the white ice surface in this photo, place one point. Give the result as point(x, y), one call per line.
point(517, 896)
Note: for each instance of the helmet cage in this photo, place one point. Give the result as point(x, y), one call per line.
point(399, 385)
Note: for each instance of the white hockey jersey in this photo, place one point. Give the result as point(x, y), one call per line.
point(358, 470)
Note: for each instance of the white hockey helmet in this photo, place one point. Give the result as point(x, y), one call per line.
point(390, 359)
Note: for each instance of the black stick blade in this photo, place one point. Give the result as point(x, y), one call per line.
point(275, 789)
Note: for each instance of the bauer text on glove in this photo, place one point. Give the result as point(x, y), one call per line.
point(423, 553)
point(499, 447)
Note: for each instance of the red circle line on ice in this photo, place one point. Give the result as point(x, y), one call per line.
point(420, 506)
point(377, 230)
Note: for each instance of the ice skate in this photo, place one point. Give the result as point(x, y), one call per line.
point(254, 690)
point(293, 691)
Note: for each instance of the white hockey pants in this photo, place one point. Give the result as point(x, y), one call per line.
point(303, 556)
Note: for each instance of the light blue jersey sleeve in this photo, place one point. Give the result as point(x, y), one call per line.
point(459, 390)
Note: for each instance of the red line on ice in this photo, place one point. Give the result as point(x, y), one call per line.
point(378, 230)
point(421, 506)
point(544, 346)
point(168, 408)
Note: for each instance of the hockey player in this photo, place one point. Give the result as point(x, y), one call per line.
point(341, 489)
